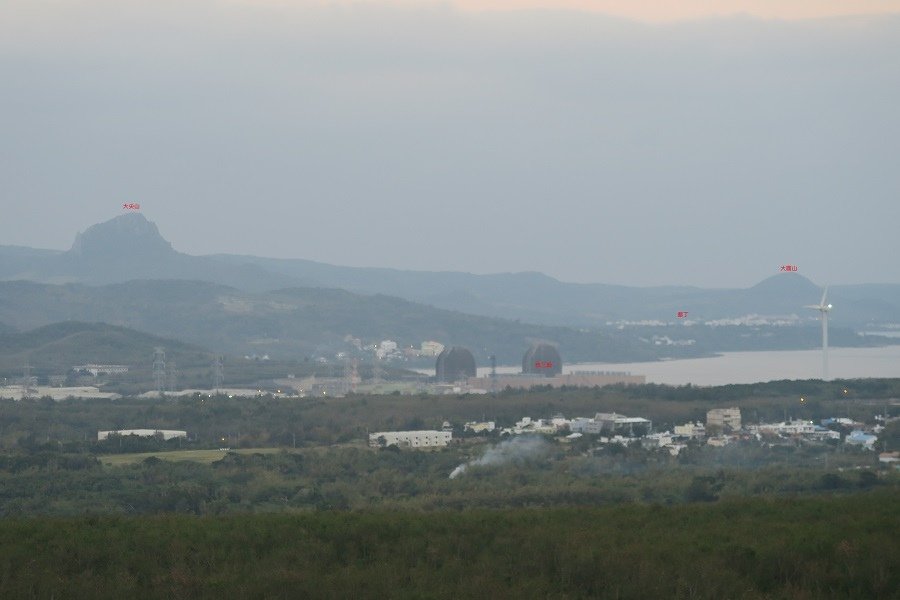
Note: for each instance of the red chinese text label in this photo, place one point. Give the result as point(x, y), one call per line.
point(543, 364)
point(131, 206)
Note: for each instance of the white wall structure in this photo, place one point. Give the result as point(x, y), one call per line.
point(410, 439)
point(167, 434)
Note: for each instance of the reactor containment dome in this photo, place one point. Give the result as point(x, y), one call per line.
point(454, 364)
point(542, 359)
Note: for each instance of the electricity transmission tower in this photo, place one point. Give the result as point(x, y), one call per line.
point(172, 370)
point(218, 372)
point(159, 369)
point(28, 384)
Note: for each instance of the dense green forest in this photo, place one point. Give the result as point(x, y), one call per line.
point(47, 482)
point(826, 547)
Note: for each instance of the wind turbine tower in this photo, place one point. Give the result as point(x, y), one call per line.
point(823, 309)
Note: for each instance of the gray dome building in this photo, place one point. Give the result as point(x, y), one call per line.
point(454, 364)
point(542, 359)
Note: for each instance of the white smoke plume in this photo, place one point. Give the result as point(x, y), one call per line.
point(517, 449)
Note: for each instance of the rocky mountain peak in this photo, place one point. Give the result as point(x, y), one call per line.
point(130, 234)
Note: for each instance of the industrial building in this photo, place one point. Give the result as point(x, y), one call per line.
point(410, 439)
point(577, 379)
point(454, 364)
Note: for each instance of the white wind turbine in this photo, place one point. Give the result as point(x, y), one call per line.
point(823, 308)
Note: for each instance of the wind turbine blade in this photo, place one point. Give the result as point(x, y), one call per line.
point(824, 293)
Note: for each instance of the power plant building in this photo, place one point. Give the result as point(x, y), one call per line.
point(454, 364)
point(577, 379)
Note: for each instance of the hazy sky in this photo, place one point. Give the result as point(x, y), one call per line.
point(677, 143)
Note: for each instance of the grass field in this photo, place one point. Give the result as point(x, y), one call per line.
point(200, 456)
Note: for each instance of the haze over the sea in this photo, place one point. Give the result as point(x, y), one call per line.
point(639, 143)
point(753, 367)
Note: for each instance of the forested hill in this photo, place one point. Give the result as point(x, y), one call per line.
point(55, 348)
point(297, 322)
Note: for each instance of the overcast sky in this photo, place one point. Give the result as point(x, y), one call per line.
point(663, 145)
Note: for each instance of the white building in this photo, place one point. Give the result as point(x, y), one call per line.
point(622, 425)
point(410, 439)
point(529, 425)
point(795, 427)
point(618, 439)
point(612, 423)
point(431, 348)
point(167, 434)
point(690, 430)
point(823, 433)
point(657, 440)
point(386, 348)
point(724, 418)
point(858, 437)
point(585, 425)
point(104, 369)
point(478, 427)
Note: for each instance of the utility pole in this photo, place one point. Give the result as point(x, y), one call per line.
point(493, 375)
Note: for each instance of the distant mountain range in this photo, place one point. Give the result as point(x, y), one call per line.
point(125, 274)
point(126, 248)
point(537, 298)
point(130, 247)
